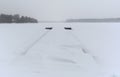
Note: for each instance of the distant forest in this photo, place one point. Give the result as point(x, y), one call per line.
point(5, 18)
point(95, 20)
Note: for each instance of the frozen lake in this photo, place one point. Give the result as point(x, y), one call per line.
point(88, 50)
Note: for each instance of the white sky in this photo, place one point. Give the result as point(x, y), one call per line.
point(61, 9)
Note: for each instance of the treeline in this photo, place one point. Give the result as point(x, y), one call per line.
point(95, 20)
point(5, 18)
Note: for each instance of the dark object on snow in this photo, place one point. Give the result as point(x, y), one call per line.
point(67, 28)
point(49, 28)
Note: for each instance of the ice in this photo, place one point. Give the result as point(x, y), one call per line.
point(88, 50)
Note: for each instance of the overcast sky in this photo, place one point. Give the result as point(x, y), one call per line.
point(62, 9)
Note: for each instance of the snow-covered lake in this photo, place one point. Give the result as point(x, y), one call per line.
point(88, 50)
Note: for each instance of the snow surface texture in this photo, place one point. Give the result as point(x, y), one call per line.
point(88, 50)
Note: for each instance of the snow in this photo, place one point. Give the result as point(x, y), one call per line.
point(88, 50)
